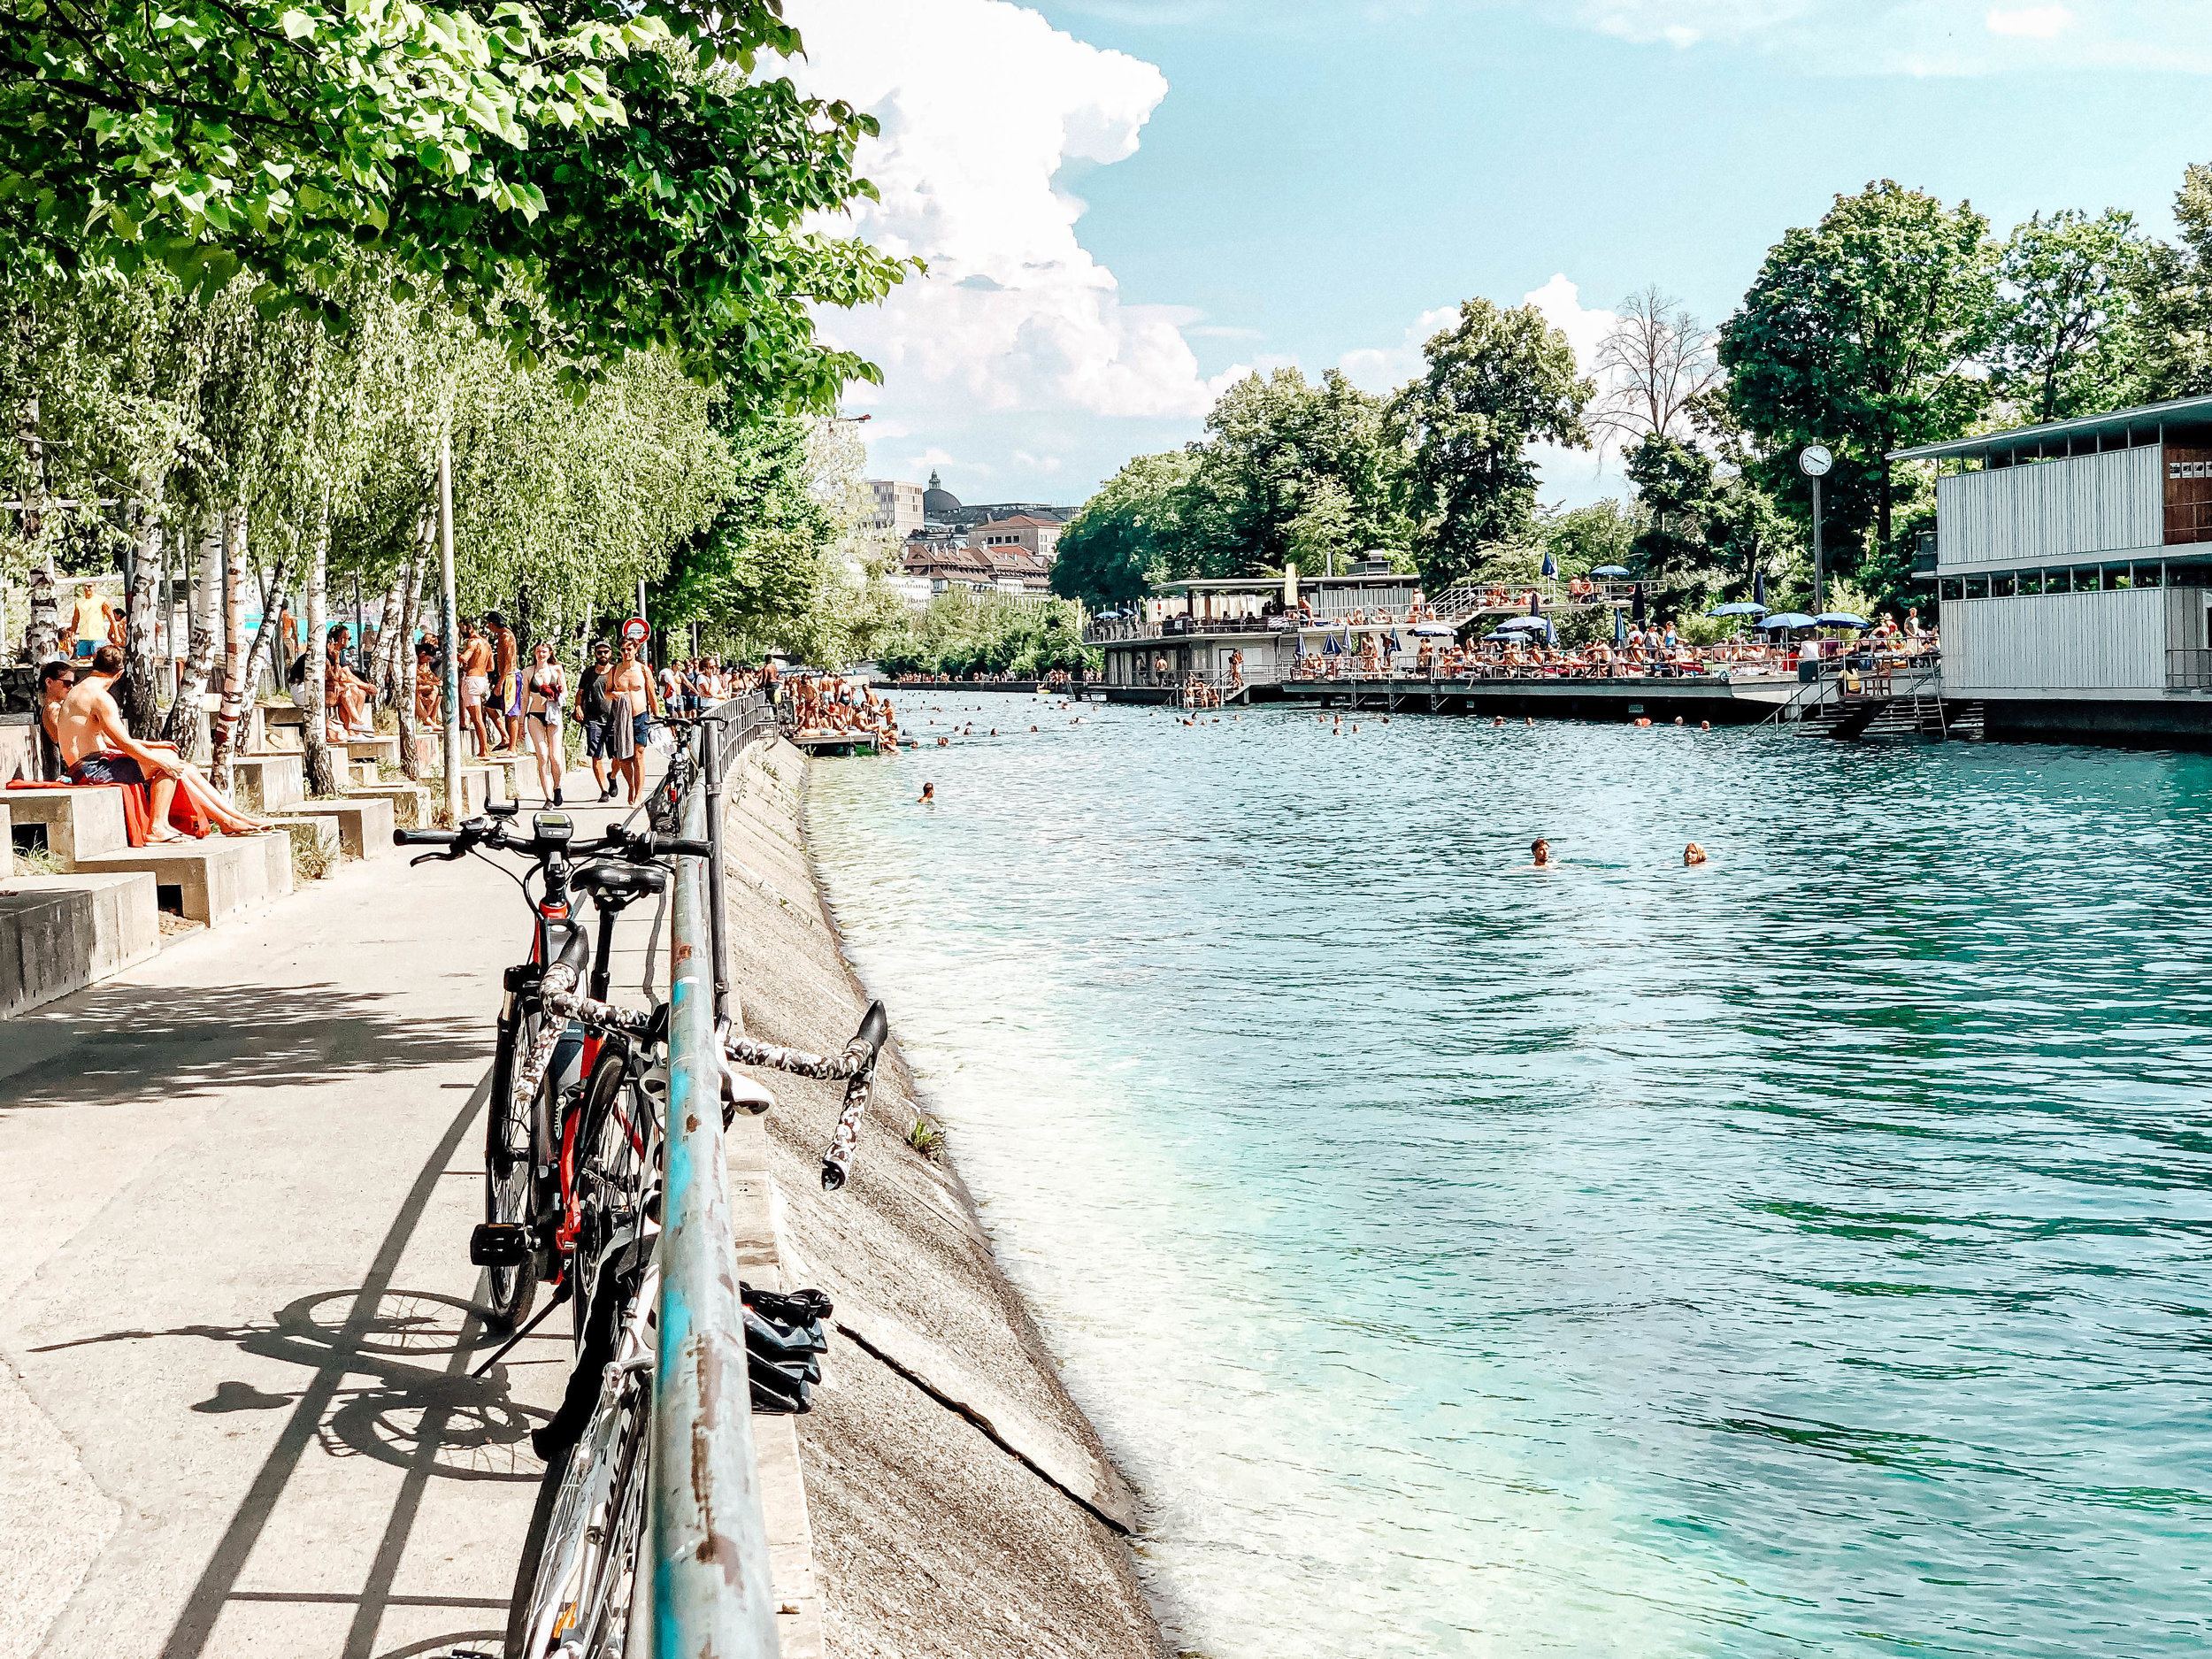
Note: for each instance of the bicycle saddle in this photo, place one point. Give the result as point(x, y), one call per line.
point(614, 882)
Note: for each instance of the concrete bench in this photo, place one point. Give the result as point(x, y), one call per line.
point(382, 748)
point(362, 822)
point(60, 934)
point(262, 783)
point(208, 880)
point(412, 804)
point(313, 832)
point(74, 824)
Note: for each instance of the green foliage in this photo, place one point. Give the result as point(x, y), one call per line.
point(2069, 343)
point(1278, 447)
point(1862, 333)
point(1129, 536)
point(580, 186)
point(2173, 295)
point(1495, 383)
point(1708, 529)
point(965, 633)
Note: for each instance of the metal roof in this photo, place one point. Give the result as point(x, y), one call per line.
point(2120, 420)
point(1273, 584)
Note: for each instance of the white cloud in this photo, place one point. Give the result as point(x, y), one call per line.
point(1387, 368)
point(1916, 37)
point(982, 104)
point(2038, 23)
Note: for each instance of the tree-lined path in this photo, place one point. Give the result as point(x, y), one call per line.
point(235, 1307)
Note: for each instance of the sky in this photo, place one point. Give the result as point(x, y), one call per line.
point(1126, 204)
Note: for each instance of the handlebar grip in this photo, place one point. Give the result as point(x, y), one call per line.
point(688, 849)
point(426, 838)
point(875, 1025)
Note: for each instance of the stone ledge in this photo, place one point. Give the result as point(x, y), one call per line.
point(60, 934)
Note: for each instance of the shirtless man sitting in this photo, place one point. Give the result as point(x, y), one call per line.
point(97, 748)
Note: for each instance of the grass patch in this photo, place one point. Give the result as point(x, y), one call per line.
point(312, 860)
point(36, 861)
point(926, 1139)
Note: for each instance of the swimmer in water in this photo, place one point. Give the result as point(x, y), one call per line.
point(1704, 726)
point(1499, 723)
point(1693, 853)
point(929, 795)
point(1539, 854)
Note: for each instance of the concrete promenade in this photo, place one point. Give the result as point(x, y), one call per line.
point(235, 1317)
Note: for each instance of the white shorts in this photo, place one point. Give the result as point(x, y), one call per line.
point(473, 687)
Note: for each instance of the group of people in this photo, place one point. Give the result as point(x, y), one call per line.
point(830, 705)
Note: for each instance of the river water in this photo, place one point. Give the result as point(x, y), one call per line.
point(1804, 1254)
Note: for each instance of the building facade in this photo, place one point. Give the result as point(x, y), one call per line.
point(898, 506)
point(1026, 530)
point(2073, 573)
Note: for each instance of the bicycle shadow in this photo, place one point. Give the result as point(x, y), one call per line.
point(482, 1432)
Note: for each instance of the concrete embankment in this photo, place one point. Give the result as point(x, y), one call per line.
point(959, 1503)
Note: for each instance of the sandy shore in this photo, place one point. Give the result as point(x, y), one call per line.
point(960, 1504)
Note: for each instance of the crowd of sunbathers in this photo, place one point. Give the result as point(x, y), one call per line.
point(829, 705)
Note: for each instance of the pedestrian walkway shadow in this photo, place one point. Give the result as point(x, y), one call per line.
point(182, 1041)
point(421, 1411)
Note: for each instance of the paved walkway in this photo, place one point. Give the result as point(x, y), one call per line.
point(235, 1321)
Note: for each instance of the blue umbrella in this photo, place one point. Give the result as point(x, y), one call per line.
point(1741, 607)
point(1789, 619)
point(1535, 602)
point(1759, 587)
point(1639, 604)
point(1841, 620)
point(1610, 570)
point(1551, 569)
point(1521, 623)
point(1620, 626)
point(1434, 630)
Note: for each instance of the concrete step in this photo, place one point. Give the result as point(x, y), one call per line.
point(362, 822)
point(360, 772)
point(262, 783)
point(208, 880)
point(60, 934)
point(313, 832)
point(72, 824)
point(383, 748)
point(412, 804)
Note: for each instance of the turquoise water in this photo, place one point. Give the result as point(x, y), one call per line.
point(1801, 1255)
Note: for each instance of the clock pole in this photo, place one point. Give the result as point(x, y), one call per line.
point(1814, 460)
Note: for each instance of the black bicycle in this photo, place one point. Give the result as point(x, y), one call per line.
point(563, 1097)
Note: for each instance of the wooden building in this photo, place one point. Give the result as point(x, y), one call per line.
point(2073, 574)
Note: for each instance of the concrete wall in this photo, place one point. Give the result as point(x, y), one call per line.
point(2102, 642)
point(59, 933)
point(2051, 511)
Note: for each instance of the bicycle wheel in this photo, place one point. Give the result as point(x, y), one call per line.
point(580, 1559)
point(508, 1173)
point(616, 1153)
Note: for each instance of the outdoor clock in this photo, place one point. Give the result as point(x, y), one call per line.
point(1816, 460)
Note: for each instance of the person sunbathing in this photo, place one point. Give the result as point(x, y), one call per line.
point(97, 748)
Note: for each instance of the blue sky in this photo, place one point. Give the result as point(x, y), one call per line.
point(1123, 202)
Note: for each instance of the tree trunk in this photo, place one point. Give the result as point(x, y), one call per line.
point(322, 778)
point(183, 727)
point(271, 597)
point(42, 639)
point(403, 658)
point(150, 585)
point(234, 596)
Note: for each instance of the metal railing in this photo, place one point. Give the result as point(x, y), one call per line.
point(2188, 671)
point(709, 1589)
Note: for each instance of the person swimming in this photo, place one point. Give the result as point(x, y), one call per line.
point(928, 796)
point(1539, 854)
point(1693, 853)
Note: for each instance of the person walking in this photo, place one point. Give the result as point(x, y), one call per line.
point(542, 694)
point(594, 710)
point(630, 720)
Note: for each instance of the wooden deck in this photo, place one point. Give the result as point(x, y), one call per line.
point(1723, 702)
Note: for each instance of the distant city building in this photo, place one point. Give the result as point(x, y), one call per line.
point(1025, 530)
point(941, 506)
point(945, 564)
point(898, 505)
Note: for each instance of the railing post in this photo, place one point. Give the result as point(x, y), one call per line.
point(711, 1593)
point(713, 731)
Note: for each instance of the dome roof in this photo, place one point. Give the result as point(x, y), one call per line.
point(937, 501)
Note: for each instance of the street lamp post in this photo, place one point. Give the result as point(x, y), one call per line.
point(1815, 462)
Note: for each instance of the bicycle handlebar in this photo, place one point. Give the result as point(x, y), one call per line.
point(857, 1064)
point(493, 832)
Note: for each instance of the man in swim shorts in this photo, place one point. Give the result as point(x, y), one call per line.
point(476, 669)
point(90, 621)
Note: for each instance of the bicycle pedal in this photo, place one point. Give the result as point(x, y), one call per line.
point(499, 1244)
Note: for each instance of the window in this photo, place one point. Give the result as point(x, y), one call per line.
point(2116, 578)
point(2150, 576)
point(2000, 586)
point(1953, 589)
point(2086, 580)
point(1977, 587)
point(2031, 581)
